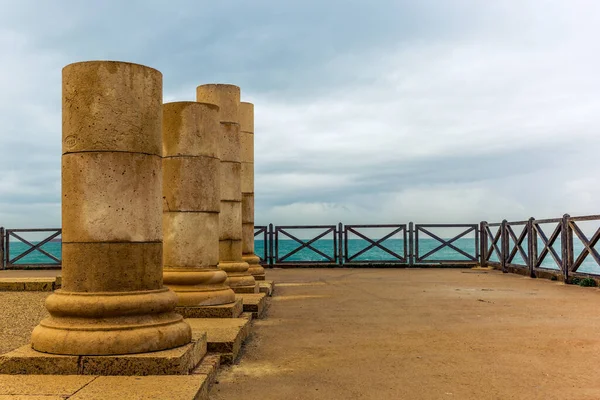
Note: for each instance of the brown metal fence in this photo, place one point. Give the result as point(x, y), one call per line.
point(536, 248)
point(546, 247)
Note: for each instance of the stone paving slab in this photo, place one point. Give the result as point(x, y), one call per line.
point(28, 284)
point(42, 385)
point(254, 303)
point(180, 360)
point(267, 287)
point(224, 335)
point(174, 387)
point(254, 289)
point(232, 310)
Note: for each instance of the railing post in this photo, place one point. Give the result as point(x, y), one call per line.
point(340, 244)
point(411, 254)
point(2, 266)
point(565, 246)
point(504, 245)
point(482, 244)
point(270, 240)
point(531, 248)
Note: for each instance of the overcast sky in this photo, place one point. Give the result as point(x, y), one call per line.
point(366, 111)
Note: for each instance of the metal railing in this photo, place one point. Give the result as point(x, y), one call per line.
point(545, 246)
point(537, 248)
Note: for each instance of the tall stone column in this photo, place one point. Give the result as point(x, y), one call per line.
point(227, 97)
point(247, 144)
point(112, 299)
point(191, 203)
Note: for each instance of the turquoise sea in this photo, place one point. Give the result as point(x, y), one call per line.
point(326, 246)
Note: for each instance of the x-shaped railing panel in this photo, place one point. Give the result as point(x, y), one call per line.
point(444, 243)
point(518, 244)
point(495, 240)
point(547, 243)
point(262, 230)
point(305, 244)
point(375, 243)
point(31, 247)
point(588, 246)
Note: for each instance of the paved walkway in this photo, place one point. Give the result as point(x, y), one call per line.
point(420, 334)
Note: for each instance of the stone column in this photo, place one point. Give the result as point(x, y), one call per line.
point(227, 97)
point(112, 299)
point(247, 143)
point(191, 203)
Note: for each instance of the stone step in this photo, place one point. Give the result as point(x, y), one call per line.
point(225, 336)
point(255, 303)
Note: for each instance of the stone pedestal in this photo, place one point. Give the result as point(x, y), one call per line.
point(191, 203)
point(112, 299)
point(247, 160)
point(227, 97)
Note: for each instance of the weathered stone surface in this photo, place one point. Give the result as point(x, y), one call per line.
point(139, 266)
point(41, 385)
point(227, 97)
point(27, 284)
point(188, 387)
point(254, 303)
point(246, 113)
point(247, 177)
point(230, 181)
point(111, 197)
point(191, 190)
point(247, 147)
point(266, 286)
point(113, 301)
point(191, 129)
point(229, 142)
point(224, 336)
point(190, 240)
point(191, 183)
point(231, 310)
point(247, 242)
point(254, 267)
point(25, 360)
point(246, 289)
point(111, 106)
point(179, 360)
point(230, 223)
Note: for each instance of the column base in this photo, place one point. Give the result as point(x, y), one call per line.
point(198, 287)
point(110, 323)
point(238, 275)
point(178, 361)
point(254, 267)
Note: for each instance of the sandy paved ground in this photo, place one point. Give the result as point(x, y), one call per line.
point(402, 334)
point(420, 334)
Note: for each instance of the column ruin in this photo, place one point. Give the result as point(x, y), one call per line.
point(112, 299)
point(227, 97)
point(191, 203)
point(247, 156)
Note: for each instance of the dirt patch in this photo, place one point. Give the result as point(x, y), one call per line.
point(419, 334)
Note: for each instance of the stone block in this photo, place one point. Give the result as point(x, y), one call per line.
point(191, 184)
point(227, 97)
point(247, 177)
point(265, 286)
point(225, 336)
point(246, 116)
point(105, 194)
point(190, 129)
point(145, 387)
point(232, 310)
point(42, 385)
point(230, 181)
point(177, 361)
point(229, 142)
point(209, 366)
point(246, 290)
point(254, 303)
point(27, 284)
point(25, 360)
point(190, 239)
